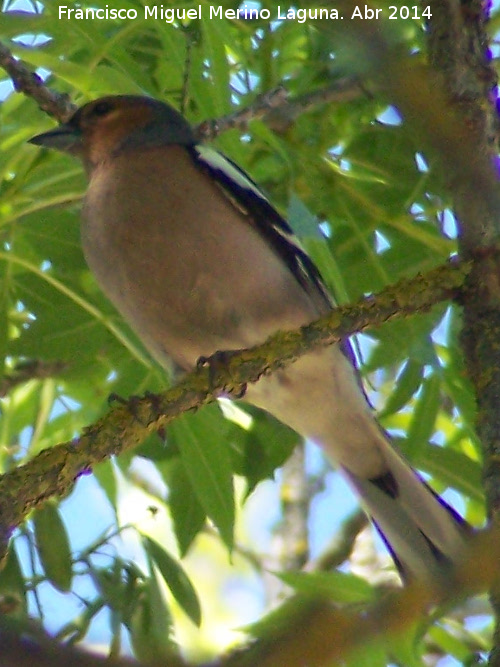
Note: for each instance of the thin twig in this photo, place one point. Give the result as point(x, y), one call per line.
point(279, 110)
point(31, 84)
point(32, 369)
point(262, 104)
point(340, 549)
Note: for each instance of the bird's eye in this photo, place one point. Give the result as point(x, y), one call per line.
point(102, 109)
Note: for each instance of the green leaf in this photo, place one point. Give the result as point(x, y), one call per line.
point(407, 383)
point(187, 513)
point(106, 478)
point(301, 220)
point(12, 585)
point(53, 546)
point(451, 467)
point(175, 578)
point(218, 67)
point(206, 458)
point(110, 583)
point(338, 586)
point(405, 647)
point(456, 381)
point(371, 654)
point(383, 159)
point(424, 416)
point(4, 312)
point(150, 625)
point(405, 338)
point(260, 449)
point(77, 628)
point(450, 643)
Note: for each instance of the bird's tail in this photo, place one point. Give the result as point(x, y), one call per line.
point(424, 534)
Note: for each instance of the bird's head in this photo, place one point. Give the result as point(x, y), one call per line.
point(109, 125)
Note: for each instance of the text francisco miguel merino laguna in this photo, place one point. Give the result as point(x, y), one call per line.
point(170, 14)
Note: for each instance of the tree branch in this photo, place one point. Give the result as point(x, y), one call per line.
point(54, 471)
point(289, 549)
point(28, 82)
point(340, 548)
point(279, 110)
point(31, 369)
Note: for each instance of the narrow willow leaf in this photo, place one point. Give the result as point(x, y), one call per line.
point(175, 578)
point(207, 462)
point(53, 546)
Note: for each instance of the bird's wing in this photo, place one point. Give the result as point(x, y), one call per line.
point(245, 195)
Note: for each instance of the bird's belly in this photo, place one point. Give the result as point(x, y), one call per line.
point(189, 292)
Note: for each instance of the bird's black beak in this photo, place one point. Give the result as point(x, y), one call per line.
point(66, 138)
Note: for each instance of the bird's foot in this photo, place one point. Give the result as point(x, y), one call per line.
point(132, 403)
point(218, 363)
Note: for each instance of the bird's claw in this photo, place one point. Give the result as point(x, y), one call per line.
point(219, 361)
point(131, 403)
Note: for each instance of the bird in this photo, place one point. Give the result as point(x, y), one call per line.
point(197, 259)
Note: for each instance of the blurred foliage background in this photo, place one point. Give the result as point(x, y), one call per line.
point(370, 207)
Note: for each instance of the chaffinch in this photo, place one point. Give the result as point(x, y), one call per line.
point(197, 260)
